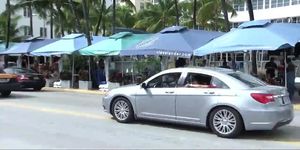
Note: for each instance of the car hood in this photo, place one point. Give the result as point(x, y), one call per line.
point(126, 90)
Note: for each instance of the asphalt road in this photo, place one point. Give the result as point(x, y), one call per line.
point(49, 119)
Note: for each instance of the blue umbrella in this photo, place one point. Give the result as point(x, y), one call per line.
point(28, 46)
point(3, 46)
point(176, 41)
point(254, 35)
point(66, 45)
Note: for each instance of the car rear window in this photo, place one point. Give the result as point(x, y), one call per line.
point(247, 79)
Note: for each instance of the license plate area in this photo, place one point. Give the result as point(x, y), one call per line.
point(36, 78)
point(285, 100)
point(4, 80)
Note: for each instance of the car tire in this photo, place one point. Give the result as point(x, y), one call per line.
point(37, 88)
point(122, 110)
point(5, 93)
point(226, 122)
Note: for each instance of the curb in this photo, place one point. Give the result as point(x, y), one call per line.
point(97, 92)
point(297, 107)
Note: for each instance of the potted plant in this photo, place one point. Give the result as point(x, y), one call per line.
point(84, 82)
point(65, 78)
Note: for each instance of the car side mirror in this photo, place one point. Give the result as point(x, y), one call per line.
point(144, 85)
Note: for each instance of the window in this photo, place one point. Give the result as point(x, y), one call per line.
point(43, 32)
point(216, 83)
point(267, 4)
point(286, 2)
point(165, 81)
point(26, 12)
point(197, 80)
point(273, 3)
point(26, 30)
point(260, 4)
point(247, 79)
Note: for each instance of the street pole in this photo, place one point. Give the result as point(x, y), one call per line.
point(7, 31)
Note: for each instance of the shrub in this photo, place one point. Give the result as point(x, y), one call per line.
point(65, 75)
point(83, 75)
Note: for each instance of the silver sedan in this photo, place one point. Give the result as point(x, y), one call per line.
point(224, 100)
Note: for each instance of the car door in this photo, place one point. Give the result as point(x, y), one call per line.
point(194, 101)
point(157, 100)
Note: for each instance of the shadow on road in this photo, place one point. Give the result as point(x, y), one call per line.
point(286, 133)
point(16, 96)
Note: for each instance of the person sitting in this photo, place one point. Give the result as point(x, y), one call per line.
point(270, 69)
point(197, 84)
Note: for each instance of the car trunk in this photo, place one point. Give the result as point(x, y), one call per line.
point(280, 94)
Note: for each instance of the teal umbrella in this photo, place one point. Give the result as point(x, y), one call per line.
point(114, 44)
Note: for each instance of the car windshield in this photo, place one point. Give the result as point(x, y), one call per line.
point(247, 79)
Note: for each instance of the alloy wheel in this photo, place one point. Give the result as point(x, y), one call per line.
point(224, 121)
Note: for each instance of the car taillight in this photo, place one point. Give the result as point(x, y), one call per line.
point(262, 97)
point(22, 77)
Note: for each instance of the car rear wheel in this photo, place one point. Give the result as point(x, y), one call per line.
point(226, 122)
point(5, 93)
point(122, 110)
point(37, 88)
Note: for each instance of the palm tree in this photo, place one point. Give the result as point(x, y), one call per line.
point(177, 12)
point(253, 54)
point(156, 17)
point(128, 2)
point(210, 14)
point(194, 13)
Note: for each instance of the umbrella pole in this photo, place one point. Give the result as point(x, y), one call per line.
point(89, 62)
point(72, 84)
point(285, 72)
point(28, 62)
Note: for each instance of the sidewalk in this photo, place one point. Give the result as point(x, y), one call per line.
point(74, 90)
point(296, 103)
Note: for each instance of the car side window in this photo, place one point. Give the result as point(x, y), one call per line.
point(169, 80)
point(217, 83)
point(197, 80)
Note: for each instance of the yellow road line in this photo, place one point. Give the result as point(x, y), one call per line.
point(76, 90)
point(291, 142)
point(297, 107)
point(56, 111)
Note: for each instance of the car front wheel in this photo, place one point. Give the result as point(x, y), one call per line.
point(122, 110)
point(5, 93)
point(226, 122)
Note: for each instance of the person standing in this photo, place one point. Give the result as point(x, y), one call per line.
point(290, 74)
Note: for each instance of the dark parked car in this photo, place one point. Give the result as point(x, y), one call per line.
point(8, 83)
point(28, 78)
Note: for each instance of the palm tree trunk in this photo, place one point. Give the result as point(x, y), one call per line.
point(103, 27)
point(30, 18)
point(225, 13)
point(7, 31)
point(86, 18)
point(253, 54)
point(177, 12)
point(114, 17)
point(75, 15)
point(194, 14)
point(227, 28)
point(100, 17)
point(60, 14)
point(51, 21)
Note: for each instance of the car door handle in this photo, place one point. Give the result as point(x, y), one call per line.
point(209, 93)
point(169, 92)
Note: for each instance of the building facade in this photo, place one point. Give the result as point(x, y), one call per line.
point(275, 10)
point(40, 26)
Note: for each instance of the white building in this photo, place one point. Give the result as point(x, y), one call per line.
point(275, 10)
point(40, 26)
